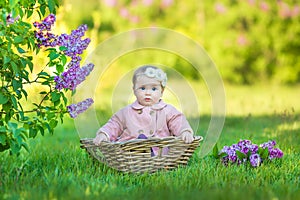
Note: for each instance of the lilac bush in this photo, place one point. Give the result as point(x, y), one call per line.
point(245, 151)
point(21, 39)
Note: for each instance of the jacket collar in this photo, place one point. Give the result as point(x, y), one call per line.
point(161, 104)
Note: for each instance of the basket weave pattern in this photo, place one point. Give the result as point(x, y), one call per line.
point(134, 156)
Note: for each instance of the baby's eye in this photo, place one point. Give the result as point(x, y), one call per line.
point(142, 88)
point(154, 89)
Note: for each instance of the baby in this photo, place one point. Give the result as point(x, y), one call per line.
point(149, 115)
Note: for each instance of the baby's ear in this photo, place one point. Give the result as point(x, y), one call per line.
point(162, 90)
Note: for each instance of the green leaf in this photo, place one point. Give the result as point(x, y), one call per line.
point(13, 3)
point(3, 138)
point(62, 48)
point(59, 68)
point(25, 93)
point(53, 55)
point(63, 59)
point(18, 39)
point(43, 74)
point(6, 59)
point(14, 101)
point(14, 67)
point(41, 129)
point(240, 155)
point(16, 84)
point(263, 152)
point(3, 98)
point(20, 50)
point(25, 146)
point(50, 115)
point(223, 154)
point(29, 13)
point(51, 6)
point(15, 147)
point(3, 129)
point(215, 151)
point(46, 125)
point(65, 99)
point(30, 65)
point(53, 123)
point(43, 9)
point(12, 125)
point(55, 96)
point(32, 132)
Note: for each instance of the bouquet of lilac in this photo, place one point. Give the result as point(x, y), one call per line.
point(245, 151)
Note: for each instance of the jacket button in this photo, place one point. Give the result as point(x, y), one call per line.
point(140, 111)
point(151, 112)
point(151, 132)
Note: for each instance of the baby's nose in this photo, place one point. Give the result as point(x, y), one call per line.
point(148, 91)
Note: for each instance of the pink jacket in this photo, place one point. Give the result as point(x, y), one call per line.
point(159, 120)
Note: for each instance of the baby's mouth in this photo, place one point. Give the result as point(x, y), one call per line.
point(147, 99)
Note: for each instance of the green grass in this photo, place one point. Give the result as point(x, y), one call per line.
point(56, 167)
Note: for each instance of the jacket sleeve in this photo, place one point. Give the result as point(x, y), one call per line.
point(177, 122)
point(114, 127)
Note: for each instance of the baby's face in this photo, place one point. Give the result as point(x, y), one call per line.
point(148, 91)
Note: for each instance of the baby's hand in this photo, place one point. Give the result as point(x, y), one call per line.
point(187, 137)
point(99, 138)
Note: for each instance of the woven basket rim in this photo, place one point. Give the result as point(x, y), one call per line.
point(151, 139)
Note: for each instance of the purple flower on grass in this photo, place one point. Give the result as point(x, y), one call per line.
point(244, 150)
point(231, 154)
point(270, 144)
point(275, 153)
point(255, 160)
point(76, 109)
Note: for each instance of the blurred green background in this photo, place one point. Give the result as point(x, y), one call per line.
point(250, 41)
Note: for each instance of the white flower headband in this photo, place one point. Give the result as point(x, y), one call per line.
point(157, 74)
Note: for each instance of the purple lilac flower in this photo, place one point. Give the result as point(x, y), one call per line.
point(76, 109)
point(231, 154)
point(270, 144)
point(74, 46)
point(46, 24)
point(251, 152)
point(44, 37)
point(255, 160)
point(275, 153)
point(10, 19)
point(73, 77)
point(73, 42)
point(253, 148)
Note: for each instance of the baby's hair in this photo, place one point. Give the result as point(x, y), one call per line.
point(155, 73)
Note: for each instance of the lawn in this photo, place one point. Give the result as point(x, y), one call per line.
point(56, 167)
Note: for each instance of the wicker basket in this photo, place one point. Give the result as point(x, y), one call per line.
point(134, 156)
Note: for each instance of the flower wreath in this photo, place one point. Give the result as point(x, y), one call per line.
point(157, 74)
